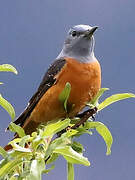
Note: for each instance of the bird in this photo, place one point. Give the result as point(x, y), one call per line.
point(75, 64)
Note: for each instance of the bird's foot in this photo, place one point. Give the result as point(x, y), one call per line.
point(84, 116)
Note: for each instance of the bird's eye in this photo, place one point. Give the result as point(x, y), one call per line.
point(74, 33)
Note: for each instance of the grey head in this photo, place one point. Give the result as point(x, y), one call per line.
point(79, 43)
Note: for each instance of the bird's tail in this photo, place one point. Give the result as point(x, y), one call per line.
point(8, 147)
point(29, 127)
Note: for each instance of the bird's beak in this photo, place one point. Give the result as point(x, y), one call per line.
point(90, 32)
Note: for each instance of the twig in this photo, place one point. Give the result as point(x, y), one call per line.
point(84, 116)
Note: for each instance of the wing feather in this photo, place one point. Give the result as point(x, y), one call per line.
point(47, 82)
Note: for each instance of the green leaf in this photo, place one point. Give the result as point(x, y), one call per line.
point(7, 106)
point(17, 129)
point(72, 156)
point(36, 142)
point(104, 132)
point(52, 158)
point(70, 170)
point(82, 131)
point(64, 95)
point(14, 177)
point(106, 135)
point(48, 170)
point(94, 101)
point(3, 152)
point(77, 147)
point(8, 67)
point(24, 140)
point(114, 98)
point(37, 166)
point(19, 154)
point(61, 141)
point(25, 173)
point(7, 168)
point(3, 162)
point(16, 147)
point(52, 129)
point(70, 133)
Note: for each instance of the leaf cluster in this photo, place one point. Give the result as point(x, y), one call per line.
point(3, 102)
point(33, 154)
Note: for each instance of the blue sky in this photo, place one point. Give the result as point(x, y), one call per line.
point(31, 36)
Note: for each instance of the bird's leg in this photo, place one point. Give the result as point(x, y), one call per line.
point(61, 132)
point(84, 116)
point(81, 115)
point(84, 113)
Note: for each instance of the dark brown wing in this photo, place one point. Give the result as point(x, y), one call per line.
point(47, 81)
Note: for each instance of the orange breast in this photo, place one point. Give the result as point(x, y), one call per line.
point(85, 80)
